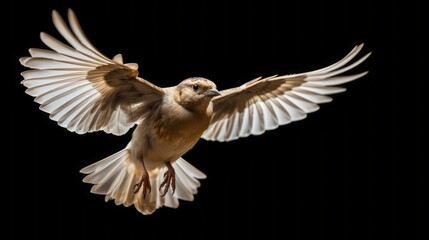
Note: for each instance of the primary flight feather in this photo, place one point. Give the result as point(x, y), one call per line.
point(85, 91)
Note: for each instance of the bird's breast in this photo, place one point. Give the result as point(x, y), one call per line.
point(180, 129)
point(167, 135)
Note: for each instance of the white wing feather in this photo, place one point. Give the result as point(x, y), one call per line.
point(266, 103)
point(72, 83)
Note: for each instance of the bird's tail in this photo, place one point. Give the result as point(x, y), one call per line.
point(116, 175)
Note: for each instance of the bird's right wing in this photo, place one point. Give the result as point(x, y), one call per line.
point(83, 90)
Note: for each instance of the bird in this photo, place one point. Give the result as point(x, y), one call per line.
point(84, 91)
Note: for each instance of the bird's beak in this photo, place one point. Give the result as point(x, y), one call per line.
point(213, 92)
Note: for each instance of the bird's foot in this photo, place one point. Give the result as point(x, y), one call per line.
point(169, 180)
point(145, 183)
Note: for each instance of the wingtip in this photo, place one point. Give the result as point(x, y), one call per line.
point(368, 54)
point(359, 47)
point(70, 13)
point(23, 61)
point(33, 51)
point(56, 17)
point(357, 76)
point(43, 34)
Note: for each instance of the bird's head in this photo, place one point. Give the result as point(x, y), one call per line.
point(195, 93)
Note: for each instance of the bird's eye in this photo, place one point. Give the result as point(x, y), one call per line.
point(195, 87)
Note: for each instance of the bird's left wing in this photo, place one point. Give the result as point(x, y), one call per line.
point(83, 90)
point(266, 103)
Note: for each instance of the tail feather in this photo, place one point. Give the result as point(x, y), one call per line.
point(116, 175)
point(189, 169)
point(103, 163)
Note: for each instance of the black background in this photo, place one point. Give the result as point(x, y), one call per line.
point(356, 169)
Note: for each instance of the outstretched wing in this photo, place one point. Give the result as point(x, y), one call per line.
point(266, 103)
point(83, 90)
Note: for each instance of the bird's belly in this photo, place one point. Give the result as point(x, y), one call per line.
point(157, 147)
point(163, 152)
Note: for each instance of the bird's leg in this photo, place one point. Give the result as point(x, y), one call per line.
point(169, 180)
point(143, 182)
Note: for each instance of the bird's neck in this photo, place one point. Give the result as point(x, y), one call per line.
point(200, 108)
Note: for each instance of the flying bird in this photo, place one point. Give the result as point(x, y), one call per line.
point(85, 91)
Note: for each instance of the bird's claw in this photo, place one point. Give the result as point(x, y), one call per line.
point(169, 180)
point(145, 183)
